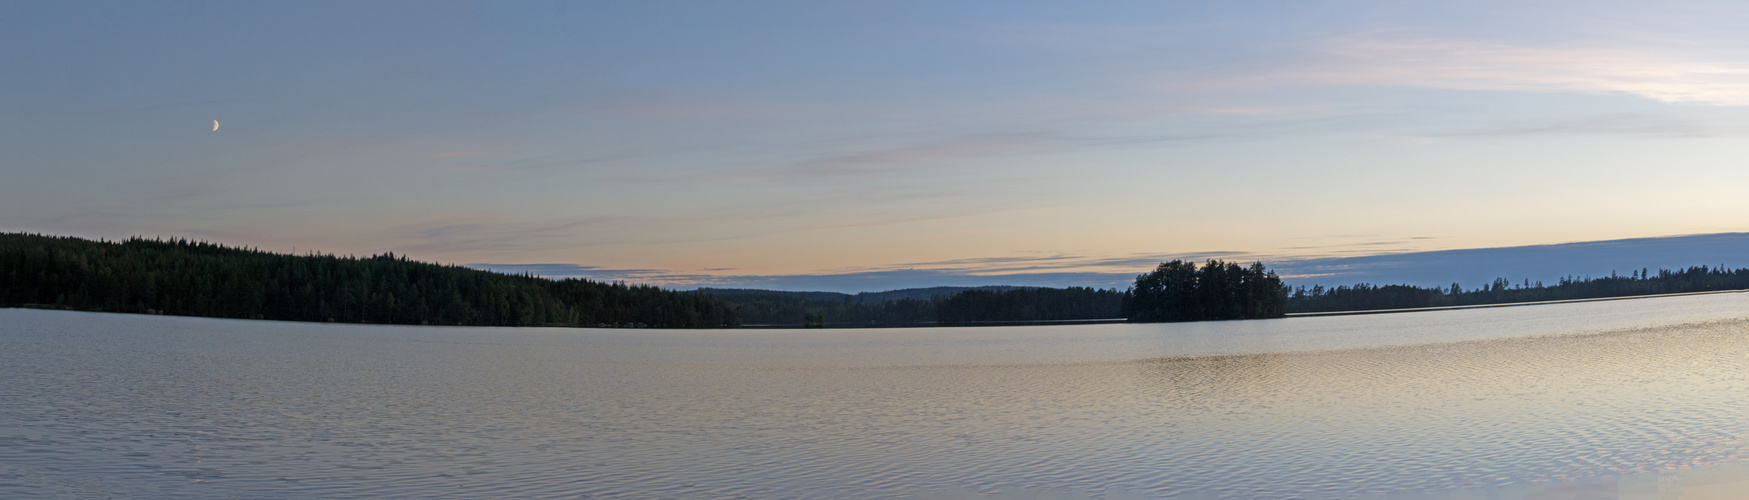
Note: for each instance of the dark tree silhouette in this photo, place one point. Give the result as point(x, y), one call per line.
point(187, 278)
point(1366, 297)
point(1179, 291)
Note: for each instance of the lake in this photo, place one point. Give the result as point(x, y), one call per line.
point(1645, 398)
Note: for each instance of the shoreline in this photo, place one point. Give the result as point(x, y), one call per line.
point(1503, 304)
point(1104, 321)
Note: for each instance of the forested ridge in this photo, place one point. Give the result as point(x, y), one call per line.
point(192, 278)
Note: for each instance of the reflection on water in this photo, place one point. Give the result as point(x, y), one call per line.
point(1626, 399)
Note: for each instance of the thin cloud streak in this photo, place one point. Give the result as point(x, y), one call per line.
point(448, 233)
point(1388, 59)
point(883, 160)
point(952, 151)
point(1633, 124)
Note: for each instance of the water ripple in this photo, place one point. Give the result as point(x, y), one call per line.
point(1629, 401)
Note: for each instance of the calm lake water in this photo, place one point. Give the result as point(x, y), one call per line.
point(1643, 398)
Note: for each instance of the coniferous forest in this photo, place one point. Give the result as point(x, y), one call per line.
point(1180, 291)
point(1365, 297)
point(182, 277)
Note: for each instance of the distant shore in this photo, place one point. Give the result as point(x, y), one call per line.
point(1508, 304)
point(1067, 321)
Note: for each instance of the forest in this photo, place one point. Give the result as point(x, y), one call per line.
point(188, 278)
point(1366, 297)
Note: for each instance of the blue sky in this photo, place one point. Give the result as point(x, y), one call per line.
point(708, 142)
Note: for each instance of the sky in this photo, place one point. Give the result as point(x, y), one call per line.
point(924, 143)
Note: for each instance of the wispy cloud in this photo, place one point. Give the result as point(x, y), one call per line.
point(1656, 59)
point(875, 160)
point(911, 155)
point(465, 232)
point(1389, 58)
point(1633, 124)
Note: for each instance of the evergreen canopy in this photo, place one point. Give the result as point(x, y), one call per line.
point(1179, 291)
point(189, 278)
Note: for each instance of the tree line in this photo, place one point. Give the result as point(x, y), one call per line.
point(192, 278)
point(1365, 297)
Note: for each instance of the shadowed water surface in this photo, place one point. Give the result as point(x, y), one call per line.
point(1591, 400)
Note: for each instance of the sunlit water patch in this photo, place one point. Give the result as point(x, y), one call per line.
point(1633, 399)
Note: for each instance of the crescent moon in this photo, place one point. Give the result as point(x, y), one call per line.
point(215, 125)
